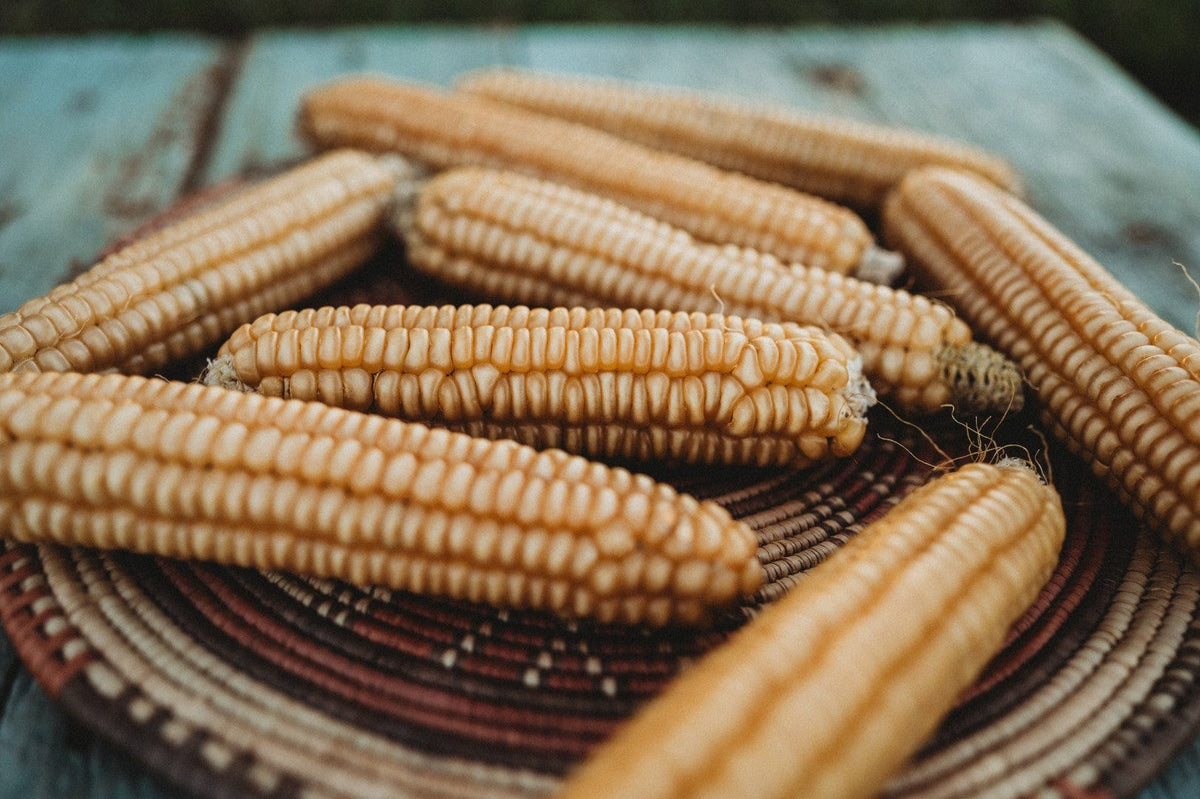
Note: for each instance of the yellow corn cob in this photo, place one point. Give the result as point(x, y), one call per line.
point(518, 239)
point(829, 690)
point(842, 159)
point(652, 385)
point(443, 130)
point(1118, 384)
point(186, 287)
point(191, 471)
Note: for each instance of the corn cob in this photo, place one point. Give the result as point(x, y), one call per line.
point(186, 287)
point(841, 159)
point(700, 388)
point(833, 687)
point(1118, 384)
point(442, 130)
point(518, 239)
point(192, 471)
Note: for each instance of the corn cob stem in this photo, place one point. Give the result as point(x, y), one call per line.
point(652, 385)
point(1118, 384)
point(186, 287)
point(833, 687)
point(841, 159)
point(518, 239)
point(191, 471)
point(443, 130)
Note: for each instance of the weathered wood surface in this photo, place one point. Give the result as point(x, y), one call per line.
point(97, 134)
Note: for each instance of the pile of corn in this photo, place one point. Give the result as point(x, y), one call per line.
point(661, 275)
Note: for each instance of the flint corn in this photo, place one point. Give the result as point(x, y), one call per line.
point(441, 130)
point(700, 388)
point(844, 160)
point(178, 291)
point(517, 239)
point(191, 471)
point(1114, 381)
point(829, 690)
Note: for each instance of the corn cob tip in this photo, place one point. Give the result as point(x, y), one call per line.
point(220, 371)
point(879, 266)
point(860, 395)
point(980, 379)
point(405, 195)
point(401, 169)
point(1021, 464)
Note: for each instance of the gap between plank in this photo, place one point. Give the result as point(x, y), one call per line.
point(224, 73)
point(7, 681)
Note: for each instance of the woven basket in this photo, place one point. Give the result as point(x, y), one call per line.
point(226, 681)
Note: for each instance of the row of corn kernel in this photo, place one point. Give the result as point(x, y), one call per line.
point(192, 471)
point(613, 383)
point(1118, 384)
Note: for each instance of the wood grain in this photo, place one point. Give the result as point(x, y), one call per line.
point(98, 134)
point(258, 127)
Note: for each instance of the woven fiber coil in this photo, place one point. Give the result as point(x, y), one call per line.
point(229, 682)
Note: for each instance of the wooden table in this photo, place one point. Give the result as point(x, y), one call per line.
point(97, 134)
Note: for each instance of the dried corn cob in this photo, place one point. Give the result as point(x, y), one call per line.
point(444, 130)
point(842, 159)
point(184, 470)
point(701, 388)
point(518, 239)
point(1118, 384)
point(833, 687)
point(185, 288)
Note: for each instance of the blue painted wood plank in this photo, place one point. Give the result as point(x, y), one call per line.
point(10, 666)
point(44, 756)
point(97, 134)
point(1180, 780)
point(278, 67)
